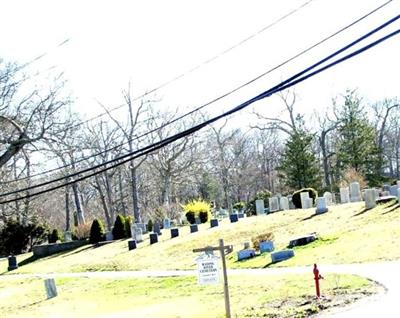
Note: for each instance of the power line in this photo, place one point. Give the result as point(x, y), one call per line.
point(212, 101)
point(295, 79)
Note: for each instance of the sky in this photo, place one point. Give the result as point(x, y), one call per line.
point(109, 45)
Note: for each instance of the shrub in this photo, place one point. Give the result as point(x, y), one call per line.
point(150, 226)
point(97, 232)
point(256, 240)
point(241, 205)
point(118, 230)
point(261, 195)
point(54, 236)
point(82, 231)
point(128, 224)
point(352, 175)
point(197, 208)
point(296, 196)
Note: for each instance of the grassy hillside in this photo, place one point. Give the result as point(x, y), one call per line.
point(349, 234)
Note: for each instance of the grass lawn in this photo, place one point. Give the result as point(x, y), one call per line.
point(251, 296)
point(349, 234)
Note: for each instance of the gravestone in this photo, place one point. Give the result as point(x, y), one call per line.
point(304, 240)
point(246, 245)
point(241, 215)
point(344, 195)
point(109, 236)
point(291, 204)
point(197, 220)
point(393, 190)
point(328, 198)
point(281, 255)
point(398, 183)
point(157, 229)
point(12, 263)
point(260, 207)
point(143, 226)
point(167, 223)
point(398, 194)
point(355, 193)
point(386, 187)
point(304, 196)
point(132, 244)
point(50, 286)
point(273, 204)
point(174, 233)
point(234, 218)
point(67, 236)
point(321, 205)
point(309, 203)
point(153, 238)
point(245, 254)
point(193, 228)
point(370, 198)
point(138, 235)
point(284, 203)
point(266, 246)
point(213, 222)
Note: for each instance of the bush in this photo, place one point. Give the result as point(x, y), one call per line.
point(256, 240)
point(197, 208)
point(150, 226)
point(261, 195)
point(352, 175)
point(97, 232)
point(240, 206)
point(312, 193)
point(118, 230)
point(54, 236)
point(82, 232)
point(128, 224)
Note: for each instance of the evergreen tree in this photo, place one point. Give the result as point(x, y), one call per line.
point(118, 230)
point(97, 231)
point(357, 147)
point(299, 162)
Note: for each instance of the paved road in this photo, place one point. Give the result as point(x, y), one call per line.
point(383, 306)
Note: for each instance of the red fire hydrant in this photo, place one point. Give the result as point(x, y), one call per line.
point(317, 277)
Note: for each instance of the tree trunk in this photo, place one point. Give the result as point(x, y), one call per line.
point(79, 208)
point(103, 203)
point(121, 192)
point(134, 186)
point(67, 210)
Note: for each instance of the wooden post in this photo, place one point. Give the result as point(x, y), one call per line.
point(221, 248)
point(226, 286)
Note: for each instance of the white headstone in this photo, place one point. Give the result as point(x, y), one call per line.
point(321, 205)
point(344, 195)
point(67, 236)
point(398, 194)
point(328, 198)
point(398, 183)
point(355, 193)
point(138, 235)
point(370, 199)
point(273, 204)
point(167, 223)
point(284, 203)
point(393, 190)
point(304, 196)
point(260, 207)
point(309, 202)
point(51, 289)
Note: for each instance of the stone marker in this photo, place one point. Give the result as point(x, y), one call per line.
point(355, 193)
point(197, 220)
point(281, 255)
point(386, 187)
point(291, 204)
point(153, 238)
point(51, 289)
point(344, 195)
point(246, 245)
point(167, 223)
point(67, 236)
point(284, 203)
point(241, 215)
point(137, 235)
point(193, 228)
point(12, 263)
point(321, 205)
point(245, 254)
point(260, 207)
point(304, 240)
point(310, 203)
point(143, 226)
point(393, 190)
point(398, 194)
point(174, 233)
point(109, 236)
point(156, 228)
point(234, 218)
point(328, 198)
point(370, 198)
point(132, 244)
point(304, 196)
point(213, 222)
point(266, 246)
point(273, 204)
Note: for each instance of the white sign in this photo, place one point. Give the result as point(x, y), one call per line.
point(208, 269)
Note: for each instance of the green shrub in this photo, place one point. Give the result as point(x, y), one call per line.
point(261, 195)
point(97, 232)
point(128, 224)
point(241, 205)
point(150, 226)
point(296, 196)
point(256, 240)
point(54, 236)
point(197, 208)
point(118, 230)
